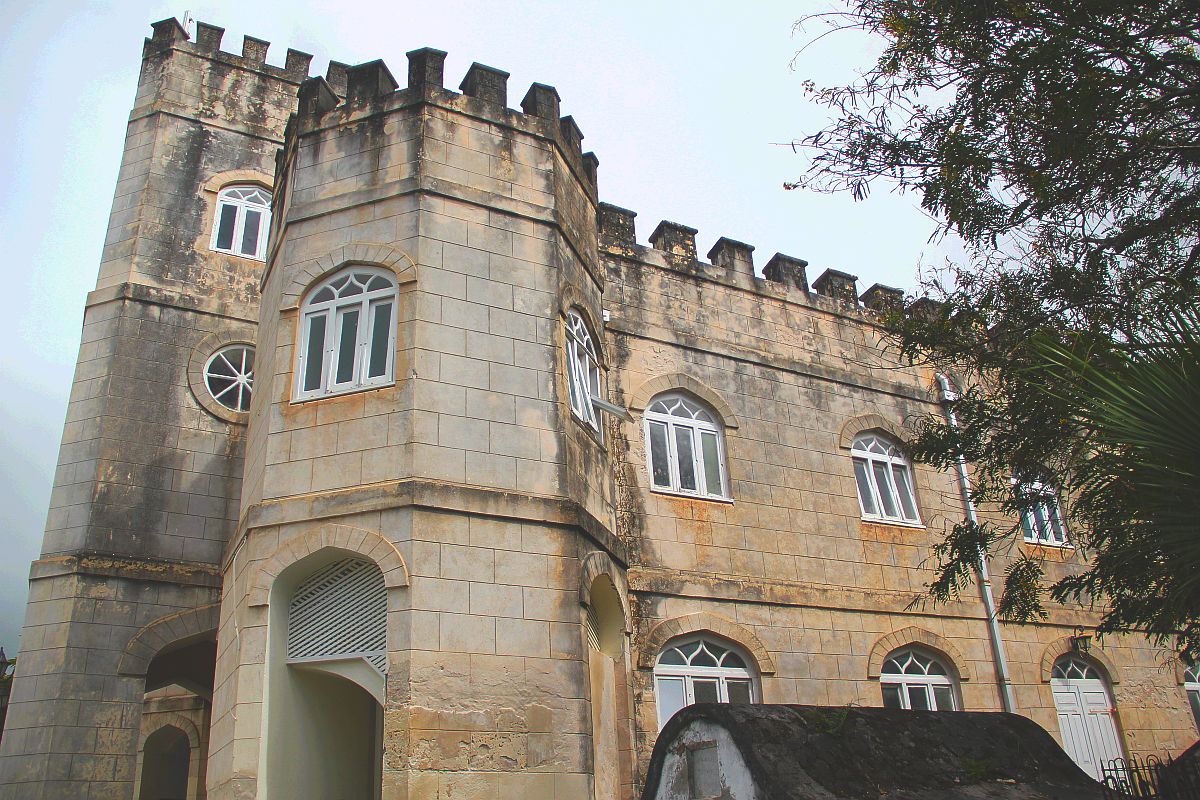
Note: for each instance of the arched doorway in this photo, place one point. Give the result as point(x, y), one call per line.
point(326, 679)
point(1086, 714)
point(165, 761)
point(605, 633)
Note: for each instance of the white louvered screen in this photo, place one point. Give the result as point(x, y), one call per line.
point(340, 612)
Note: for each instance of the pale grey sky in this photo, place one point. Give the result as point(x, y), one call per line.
point(681, 101)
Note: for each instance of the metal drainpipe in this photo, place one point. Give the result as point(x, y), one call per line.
point(985, 582)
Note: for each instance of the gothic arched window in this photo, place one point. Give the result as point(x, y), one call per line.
point(242, 222)
point(884, 479)
point(685, 451)
point(1191, 684)
point(700, 670)
point(347, 333)
point(912, 679)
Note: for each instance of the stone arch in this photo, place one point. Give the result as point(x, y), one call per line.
point(595, 564)
point(869, 422)
point(366, 543)
point(153, 638)
point(179, 722)
point(704, 622)
point(678, 381)
point(922, 638)
point(1062, 646)
point(238, 176)
point(366, 253)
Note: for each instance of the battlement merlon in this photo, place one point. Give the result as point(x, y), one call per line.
point(169, 34)
point(736, 258)
point(841, 287)
point(883, 299)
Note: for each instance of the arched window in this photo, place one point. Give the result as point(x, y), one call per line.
point(684, 448)
point(700, 670)
point(583, 370)
point(914, 680)
point(243, 220)
point(885, 489)
point(347, 333)
point(1041, 517)
point(1191, 684)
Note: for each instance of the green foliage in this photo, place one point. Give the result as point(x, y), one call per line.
point(977, 770)
point(1060, 141)
point(831, 721)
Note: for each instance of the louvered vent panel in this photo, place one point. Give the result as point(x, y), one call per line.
point(340, 612)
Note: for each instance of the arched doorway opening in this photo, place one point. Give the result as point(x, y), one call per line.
point(1087, 719)
point(605, 632)
point(166, 758)
point(327, 659)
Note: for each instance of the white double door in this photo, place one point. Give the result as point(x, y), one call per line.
point(1087, 723)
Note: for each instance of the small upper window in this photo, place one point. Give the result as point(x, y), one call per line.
point(229, 376)
point(347, 333)
point(699, 670)
point(1191, 684)
point(583, 370)
point(1041, 518)
point(913, 680)
point(684, 447)
point(885, 490)
point(243, 220)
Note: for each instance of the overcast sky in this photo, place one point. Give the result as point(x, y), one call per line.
point(685, 104)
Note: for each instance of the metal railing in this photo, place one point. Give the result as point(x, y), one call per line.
point(1151, 778)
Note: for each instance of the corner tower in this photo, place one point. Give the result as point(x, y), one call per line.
point(123, 600)
point(432, 286)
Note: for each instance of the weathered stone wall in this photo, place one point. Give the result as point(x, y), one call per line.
point(147, 488)
point(469, 469)
point(789, 567)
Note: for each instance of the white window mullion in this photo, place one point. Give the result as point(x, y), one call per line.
point(360, 366)
point(673, 458)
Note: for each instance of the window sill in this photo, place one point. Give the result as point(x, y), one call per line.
point(587, 428)
point(348, 392)
point(255, 259)
point(896, 523)
point(706, 498)
point(1056, 547)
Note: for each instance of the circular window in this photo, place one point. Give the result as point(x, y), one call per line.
point(229, 376)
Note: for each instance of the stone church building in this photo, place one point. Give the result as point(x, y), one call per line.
point(395, 467)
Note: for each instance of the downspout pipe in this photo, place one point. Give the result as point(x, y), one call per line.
point(1007, 699)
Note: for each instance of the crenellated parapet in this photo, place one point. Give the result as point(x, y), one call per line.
point(349, 92)
point(168, 33)
point(731, 263)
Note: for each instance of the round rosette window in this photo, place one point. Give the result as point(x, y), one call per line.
point(229, 376)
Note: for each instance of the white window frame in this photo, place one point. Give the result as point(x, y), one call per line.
point(583, 370)
point(333, 311)
point(242, 386)
point(923, 681)
point(1191, 689)
point(701, 420)
point(862, 453)
point(689, 673)
point(1042, 522)
point(235, 196)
